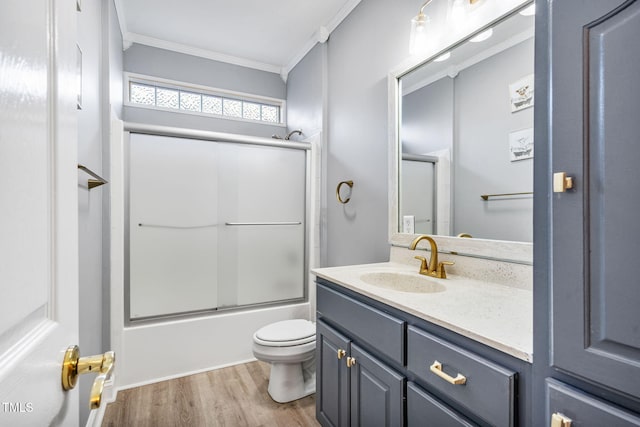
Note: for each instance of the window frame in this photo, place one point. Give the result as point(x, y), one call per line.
point(147, 80)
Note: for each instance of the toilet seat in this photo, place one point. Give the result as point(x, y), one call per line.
point(286, 333)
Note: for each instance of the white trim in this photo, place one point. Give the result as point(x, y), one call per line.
point(342, 14)
point(203, 53)
point(454, 69)
point(127, 103)
point(283, 70)
point(185, 374)
point(212, 136)
point(196, 87)
point(320, 36)
point(122, 23)
point(109, 395)
point(206, 90)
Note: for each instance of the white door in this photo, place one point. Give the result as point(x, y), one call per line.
point(38, 210)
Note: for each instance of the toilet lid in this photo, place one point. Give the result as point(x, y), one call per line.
point(287, 332)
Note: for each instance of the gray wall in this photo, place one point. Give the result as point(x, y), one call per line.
point(305, 93)
point(166, 64)
point(481, 152)
point(427, 118)
point(370, 42)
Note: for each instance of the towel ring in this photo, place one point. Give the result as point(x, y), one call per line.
point(350, 184)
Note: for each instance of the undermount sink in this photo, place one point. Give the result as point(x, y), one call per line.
point(403, 282)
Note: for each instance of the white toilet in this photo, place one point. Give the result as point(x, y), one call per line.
point(290, 347)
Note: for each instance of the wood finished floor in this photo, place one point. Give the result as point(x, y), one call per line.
point(235, 397)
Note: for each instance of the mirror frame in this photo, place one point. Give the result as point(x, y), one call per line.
point(499, 250)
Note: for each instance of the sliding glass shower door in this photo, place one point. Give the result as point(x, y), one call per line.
point(213, 225)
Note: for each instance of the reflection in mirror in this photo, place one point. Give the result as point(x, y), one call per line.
point(466, 130)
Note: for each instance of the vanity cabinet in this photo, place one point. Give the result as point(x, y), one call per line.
point(374, 368)
point(353, 386)
point(586, 247)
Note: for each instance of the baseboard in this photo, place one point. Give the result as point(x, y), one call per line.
point(184, 374)
point(109, 394)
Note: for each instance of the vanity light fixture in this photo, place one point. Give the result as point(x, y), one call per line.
point(482, 36)
point(529, 10)
point(457, 12)
point(418, 41)
point(443, 57)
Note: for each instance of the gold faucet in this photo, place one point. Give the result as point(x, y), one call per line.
point(433, 267)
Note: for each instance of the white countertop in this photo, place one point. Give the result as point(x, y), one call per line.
point(496, 315)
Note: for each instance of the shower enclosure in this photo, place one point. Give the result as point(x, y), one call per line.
point(213, 225)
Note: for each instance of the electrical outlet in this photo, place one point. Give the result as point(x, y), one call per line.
point(408, 224)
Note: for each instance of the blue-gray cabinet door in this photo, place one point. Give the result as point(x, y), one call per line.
point(594, 113)
point(584, 410)
point(424, 410)
point(377, 392)
point(332, 376)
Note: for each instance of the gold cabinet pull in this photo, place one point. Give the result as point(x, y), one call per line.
point(559, 420)
point(436, 368)
point(341, 353)
point(562, 182)
point(351, 361)
point(73, 366)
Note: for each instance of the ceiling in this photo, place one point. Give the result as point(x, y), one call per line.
point(268, 35)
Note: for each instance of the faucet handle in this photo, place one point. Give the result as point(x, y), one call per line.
point(442, 274)
point(424, 266)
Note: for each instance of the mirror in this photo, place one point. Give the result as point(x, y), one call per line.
point(464, 138)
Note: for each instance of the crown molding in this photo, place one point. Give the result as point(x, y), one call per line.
point(203, 53)
point(321, 35)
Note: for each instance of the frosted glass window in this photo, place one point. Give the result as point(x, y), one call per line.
point(167, 98)
point(185, 98)
point(190, 101)
point(251, 111)
point(270, 113)
point(211, 104)
point(142, 94)
point(232, 108)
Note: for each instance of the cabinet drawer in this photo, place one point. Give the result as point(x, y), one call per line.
point(584, 410)
point(382, 331)
point(489, 389)
point(424, 410)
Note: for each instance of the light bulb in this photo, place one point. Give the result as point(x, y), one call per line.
point(457, 12)
point(419, 42)
point(482, 36)
point(443, 57)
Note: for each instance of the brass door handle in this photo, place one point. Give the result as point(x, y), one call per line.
point(341, 353)
point(74, 366)
point(351, 361)
point(436, 368)
point(559, 420)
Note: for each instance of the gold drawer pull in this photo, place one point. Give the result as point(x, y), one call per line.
point(436, 368)
point(351, 361)
point(341, 353)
